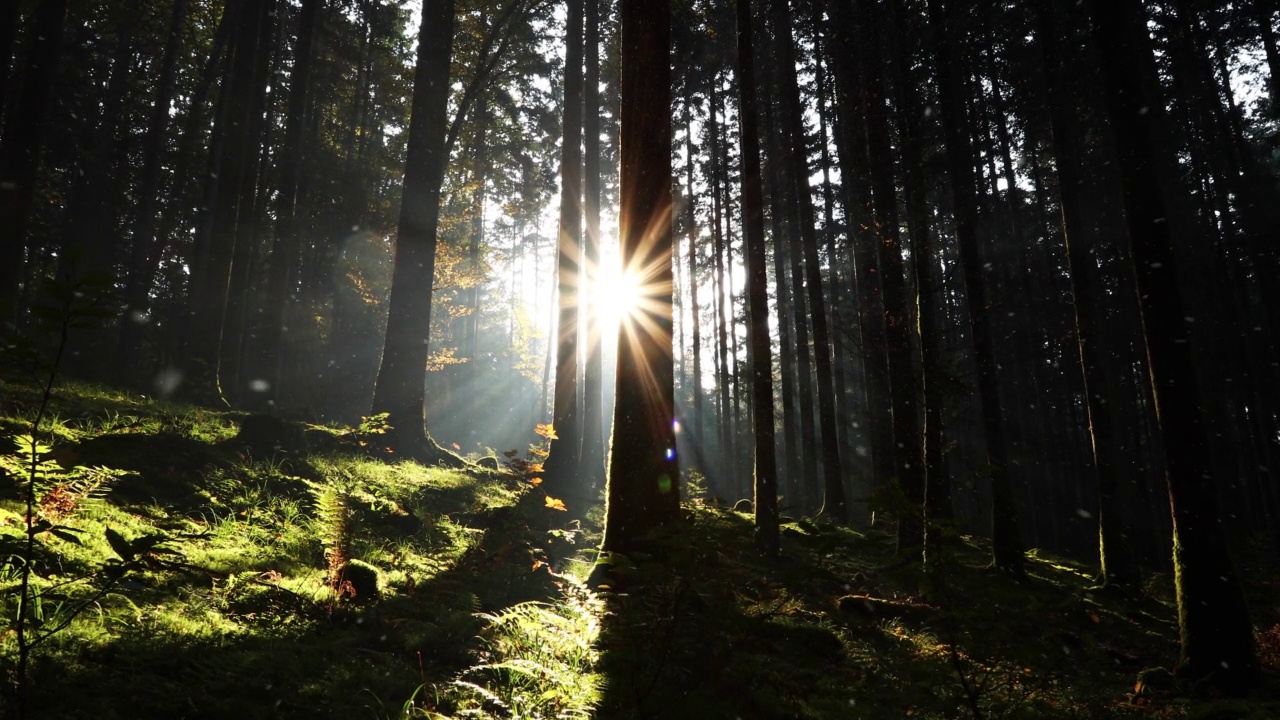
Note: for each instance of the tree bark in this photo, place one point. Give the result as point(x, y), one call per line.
point(1213, 617)
point(796, 149)
point(643, 491)
point(282, 272)
point(136, 291)
point(765, 483)
point(21, 148)
point(1006, 543)
point(399, 391)
point(563, 463)
point(903, 386)
point(593, 378)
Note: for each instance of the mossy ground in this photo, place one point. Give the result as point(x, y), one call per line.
point(482, 609)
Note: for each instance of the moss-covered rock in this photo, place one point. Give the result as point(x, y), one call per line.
point(359, 580)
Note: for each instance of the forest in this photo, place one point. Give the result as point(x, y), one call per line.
point(743, 359)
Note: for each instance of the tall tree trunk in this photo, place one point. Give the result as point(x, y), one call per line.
point(8, 34)
point(848, 60)
point(903, 387)
point(643, 491)
point(766, 468)
point(835, 284)
point(593, 378)
point(236, 328)
point(400, 387)
point(727, 476)
point(694, 309)
point(1006, 543)
point(786, 244)
point(797, 154)
point(136, 291)
point(282, 272)
point(1213, 618)
point(233, 166)
point(563, 463)
point(1116, 559)
point(787, 354)
point(21, 148)
point(929, 291)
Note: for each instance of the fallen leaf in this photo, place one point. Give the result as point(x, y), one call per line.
point(555, 504)
point(535, 481)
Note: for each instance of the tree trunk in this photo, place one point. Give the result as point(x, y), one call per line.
point(929, 291)
point(766, 470)
point(1116, 560)
point(593, 378)
point(399, 391)
point(848, 59)
point(795, 148)
point(727, 476)
point(643, 491)
point(694, 308)
point(903, 386)
point(563, 463)
point(136, 291)
point(20, 150)
point(282, 274)
point(1216, 634)
point(1006, 543)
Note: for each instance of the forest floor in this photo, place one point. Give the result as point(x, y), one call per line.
point(188, 570)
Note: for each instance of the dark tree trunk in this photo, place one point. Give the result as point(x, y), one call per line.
point(643, 491)
point(903, 386)
point(727, 476)
point(399, 391)
point(8, 34)
point(1006, 543)
point(694, 308)
point(563, 463)
point(1116, 559)
point(282, 274)
point(787, 354)
point(137, 288)
point(835, 284)
point(236, 330)
point(1216, 634)
point(929, 291)
point(233, 165)
point(766, 470)
point(593, 378)
point(21, 148)
point(848, 60)
point(795, 148)
point(791, 295)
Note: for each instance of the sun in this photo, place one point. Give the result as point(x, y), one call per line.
point(617, 296)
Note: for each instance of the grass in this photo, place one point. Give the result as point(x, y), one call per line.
point(481, 610)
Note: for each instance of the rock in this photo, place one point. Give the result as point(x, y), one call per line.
point(359, 579)
point(265, 436)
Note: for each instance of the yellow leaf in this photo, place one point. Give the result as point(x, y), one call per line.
point(555, 504)
point(535, 481)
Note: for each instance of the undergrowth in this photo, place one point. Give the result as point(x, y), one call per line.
point(240, 603)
